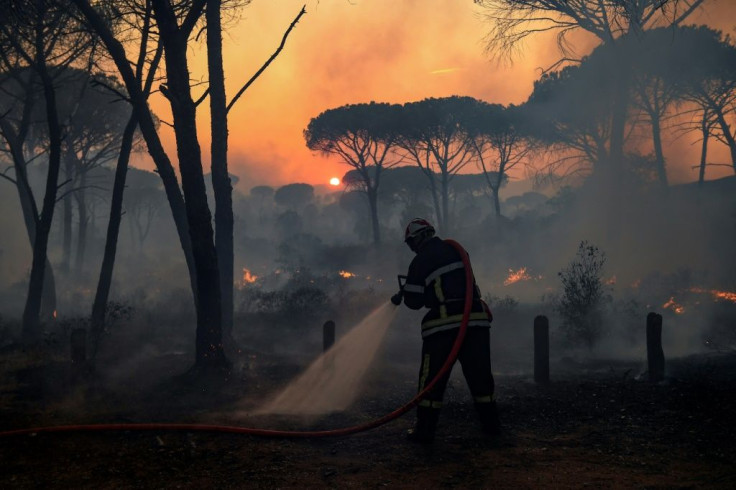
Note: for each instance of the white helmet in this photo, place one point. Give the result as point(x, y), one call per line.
point(417, 230)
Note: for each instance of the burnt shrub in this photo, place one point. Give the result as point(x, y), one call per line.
point(584, 297)
point(506, 305)
point(284, 305)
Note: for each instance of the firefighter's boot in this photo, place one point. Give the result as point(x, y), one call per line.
point(423, 431)
point(488, 414)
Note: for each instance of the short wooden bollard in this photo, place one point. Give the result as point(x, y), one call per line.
point(655, 354)
point(328, 335)
point(541, 349)
point(328, 339)
point(79, 346)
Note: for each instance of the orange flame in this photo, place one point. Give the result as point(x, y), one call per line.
point(54, 314)
point(727, 295)
point(346, 274)
point(676, 307)
point(611, 281)
point(249, 277)
point(519, 275)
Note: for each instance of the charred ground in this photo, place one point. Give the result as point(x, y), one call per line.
point(598, 423)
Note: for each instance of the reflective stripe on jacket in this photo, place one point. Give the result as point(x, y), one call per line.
point(436, 280)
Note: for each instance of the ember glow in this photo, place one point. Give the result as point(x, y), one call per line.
point(672, 305)
point(346, 274)
point(519, 275)
point(249, 277)
point(611, 281)
point(725, 295)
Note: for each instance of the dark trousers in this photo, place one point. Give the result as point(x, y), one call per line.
point(474, 357)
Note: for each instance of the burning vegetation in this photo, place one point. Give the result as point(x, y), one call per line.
point(519, 275)
point(249, 277)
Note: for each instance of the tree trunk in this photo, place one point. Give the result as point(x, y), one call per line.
point(726, 130)
point(615, 161)
point(703, 148)
point(66, 248)
point(659, 152)
point(436, 203)
point(31, 313)
point(496, 201)
point(221, 185)
point(372, 194)
point(445, 204)
point(97, 323)
point(30, 218)
point(80, 197)
point(209, 349)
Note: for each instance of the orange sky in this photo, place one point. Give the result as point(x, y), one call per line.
point(351, 51)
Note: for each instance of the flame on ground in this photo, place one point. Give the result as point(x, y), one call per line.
point(248, 276)
point(520, 275)
point(717, 294)
point(676, 307)
point(346, 274)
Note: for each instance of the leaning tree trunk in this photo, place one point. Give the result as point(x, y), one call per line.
point(31, 312)
point(221, 185)
point(97, 323)
point(703, 149)
point(139, 100)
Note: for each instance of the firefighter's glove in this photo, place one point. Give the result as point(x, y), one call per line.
point(396, 298)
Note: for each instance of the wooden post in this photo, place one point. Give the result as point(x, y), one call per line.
point(328, 339)
point(655, 354)
point(541, 349)
point(328, 335)
point(79, 347)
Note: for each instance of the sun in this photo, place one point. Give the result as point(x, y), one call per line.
point(334, 181)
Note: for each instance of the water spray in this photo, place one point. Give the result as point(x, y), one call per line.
point(287, 433)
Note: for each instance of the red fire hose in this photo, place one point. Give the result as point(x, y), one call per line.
point(286, 433)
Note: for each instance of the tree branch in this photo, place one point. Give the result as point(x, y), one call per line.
point(268, 62)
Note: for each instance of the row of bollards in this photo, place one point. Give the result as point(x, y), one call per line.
point(655, 353)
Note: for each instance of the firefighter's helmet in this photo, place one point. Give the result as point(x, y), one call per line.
point(418, 227)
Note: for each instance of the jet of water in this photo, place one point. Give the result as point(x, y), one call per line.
point(332, 381)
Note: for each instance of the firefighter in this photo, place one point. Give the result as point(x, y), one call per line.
point(436, 280)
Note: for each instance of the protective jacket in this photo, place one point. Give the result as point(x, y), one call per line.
point(436, 280)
